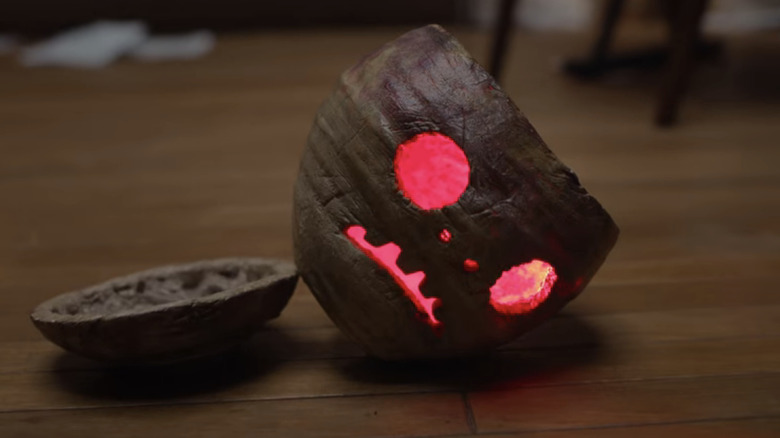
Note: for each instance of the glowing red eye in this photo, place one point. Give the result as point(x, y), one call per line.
point(522, 288)
point(431, 170)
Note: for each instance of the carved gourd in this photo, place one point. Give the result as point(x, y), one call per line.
point(430, 219)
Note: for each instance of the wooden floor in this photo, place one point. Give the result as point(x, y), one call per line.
point(104, 173)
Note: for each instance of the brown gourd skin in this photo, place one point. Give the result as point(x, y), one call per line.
point(521, 204)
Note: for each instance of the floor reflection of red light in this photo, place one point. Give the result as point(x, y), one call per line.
point(431, 170)
point(522, 288)
point(386, 256)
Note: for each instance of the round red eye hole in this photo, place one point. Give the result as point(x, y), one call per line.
point(431, 170)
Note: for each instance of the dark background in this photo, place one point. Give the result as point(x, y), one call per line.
point(39, 16)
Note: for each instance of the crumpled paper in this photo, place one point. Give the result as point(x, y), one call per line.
point(172, 47)
point(98, 44)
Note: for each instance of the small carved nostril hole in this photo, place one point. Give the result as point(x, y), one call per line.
point(470, 265)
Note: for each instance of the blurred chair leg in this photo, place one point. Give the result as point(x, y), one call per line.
point(501, 37)
point(595, 64)
point(685, 35)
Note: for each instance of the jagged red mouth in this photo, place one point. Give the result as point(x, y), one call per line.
point(386, 256)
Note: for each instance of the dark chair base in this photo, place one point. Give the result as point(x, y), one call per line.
point(685, 46)
point(650, 58)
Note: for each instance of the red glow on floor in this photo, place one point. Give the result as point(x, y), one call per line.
point(470, 265)
point(431, 170)
point(445, 235)
point(386, 256)
point(522, 288)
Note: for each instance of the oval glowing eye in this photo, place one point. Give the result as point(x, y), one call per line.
point(431, 170)
point(522, 288)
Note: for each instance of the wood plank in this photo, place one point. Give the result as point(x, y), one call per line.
point(400, 415)
point(260, 375)
point(277, 343)
point(714, 266)
point(289, 342)
point(747, 428)
point(626, 403)
point(602, 298)
point(643, 328)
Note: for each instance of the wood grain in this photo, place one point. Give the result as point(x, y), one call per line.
point(750, 427)
point(689, 399)
point(404, 415)
point(104, 173)
point(256, 378)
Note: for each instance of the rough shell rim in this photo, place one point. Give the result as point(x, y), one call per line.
point(281, 270)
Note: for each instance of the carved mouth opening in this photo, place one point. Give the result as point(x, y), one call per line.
point(386, 256)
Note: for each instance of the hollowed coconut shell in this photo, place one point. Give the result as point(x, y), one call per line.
point(169, 314)
point(430, 218)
